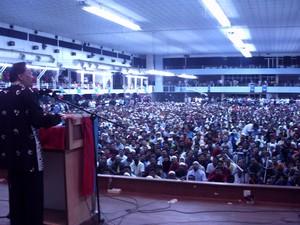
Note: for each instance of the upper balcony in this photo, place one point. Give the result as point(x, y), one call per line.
point(233, 65)
point(235, 89)
point(238, 71)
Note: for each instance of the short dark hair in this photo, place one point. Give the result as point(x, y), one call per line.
point(255, 126)
point(16, 69)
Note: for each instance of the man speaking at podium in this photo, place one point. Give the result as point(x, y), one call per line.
point(20, 149)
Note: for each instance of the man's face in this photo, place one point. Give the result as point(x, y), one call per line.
point(195, 167)
point(26, 78)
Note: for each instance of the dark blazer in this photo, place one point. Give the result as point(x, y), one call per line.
point(20, 117)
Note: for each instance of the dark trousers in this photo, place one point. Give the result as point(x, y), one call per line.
point(26, 200)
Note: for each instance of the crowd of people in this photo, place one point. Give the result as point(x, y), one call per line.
point(235, 82)
point(253, 142)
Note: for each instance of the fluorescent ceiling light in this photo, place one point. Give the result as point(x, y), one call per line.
point(242, 32)
point(242, 47)
point(108, 15)
point(235, 35)
point(236, 39)
point(237, 42)
point(119, 8)
point(245, 53)
point(229, 7)
point(217, 12)
point(160, 73)
point(250, 47)
point(187, 76)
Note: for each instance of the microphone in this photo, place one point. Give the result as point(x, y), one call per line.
point(48, 92)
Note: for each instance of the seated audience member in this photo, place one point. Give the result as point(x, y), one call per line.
point(116, 166)
point(129, 158)
point(151, 167)
point(137, 167)
point(202, 159)
point(127, 171)
point(122, 155)
point(198, 173)
point(280, 177)
point(174, 163)
point(228, 165)
point(212, 166)
point(172, 175)
point(166, 166)
point(225, 172)
point(181, 172)
point(102, 165)
point(255, 179)
point(217, 175)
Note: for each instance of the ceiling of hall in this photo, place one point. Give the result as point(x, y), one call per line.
point(169, 27)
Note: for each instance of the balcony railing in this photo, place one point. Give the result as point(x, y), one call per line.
point(234, 89)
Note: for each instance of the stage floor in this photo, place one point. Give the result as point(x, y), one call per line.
point(156, 210)
point(132, 209)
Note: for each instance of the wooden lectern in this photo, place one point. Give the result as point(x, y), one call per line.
point(63, 202)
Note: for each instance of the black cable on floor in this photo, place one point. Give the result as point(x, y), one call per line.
point(210, 221)
point(128, 211)
point(219, 211)
point(167, 209)
point(135, 203)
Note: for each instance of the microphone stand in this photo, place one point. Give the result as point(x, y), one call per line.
point(93, 116)
point(54, 95)
point(266, 170)
point(234, 163)
point(237, 166)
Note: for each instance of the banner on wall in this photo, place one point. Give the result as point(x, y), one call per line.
point(252, 88)
point(264, 88)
